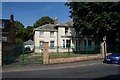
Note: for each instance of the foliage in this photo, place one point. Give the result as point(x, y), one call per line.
point(29, 32)
point(23, 34)
point(97, 19)
point(19, 29)
point(42, 21)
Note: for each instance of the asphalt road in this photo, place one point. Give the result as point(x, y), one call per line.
point(86, 69)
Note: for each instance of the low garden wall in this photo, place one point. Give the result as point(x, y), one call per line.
point(73, 59)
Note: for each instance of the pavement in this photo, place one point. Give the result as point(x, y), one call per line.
point(34, 67)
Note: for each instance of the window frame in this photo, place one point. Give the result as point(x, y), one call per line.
point(68, 43)
point(41, 33)
point(52, 45)
point(52, 34)
point(41, 46)
point(89, 44)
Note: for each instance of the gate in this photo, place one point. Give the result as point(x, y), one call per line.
point(16, 55)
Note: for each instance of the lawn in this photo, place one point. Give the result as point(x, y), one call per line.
point(66, 54)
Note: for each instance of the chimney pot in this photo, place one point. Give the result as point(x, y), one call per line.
point(55, 20)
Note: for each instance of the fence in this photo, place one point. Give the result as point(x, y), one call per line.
point(113, 48)
point(59, 52)
point(16, 55)
point(11, 54)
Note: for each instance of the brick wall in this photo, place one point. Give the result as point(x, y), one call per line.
point(73, 59)
point(46, 59)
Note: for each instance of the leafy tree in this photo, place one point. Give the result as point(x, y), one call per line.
point(97, 19)
point(42, 21)
point(19, 29)
point(29, 32)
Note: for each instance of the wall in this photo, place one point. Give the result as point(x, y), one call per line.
point(36, 41)
point(73, 59)
point(61, 32)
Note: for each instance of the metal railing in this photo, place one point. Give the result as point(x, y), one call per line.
point(59, 52)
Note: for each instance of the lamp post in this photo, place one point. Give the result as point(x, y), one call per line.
point(104, 39)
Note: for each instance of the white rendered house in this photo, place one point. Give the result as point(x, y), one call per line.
point(59, 36)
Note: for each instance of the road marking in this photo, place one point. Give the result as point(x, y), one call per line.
point(52, 68)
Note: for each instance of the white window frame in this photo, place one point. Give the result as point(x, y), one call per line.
point(52, 45)
point(52, 33)
point(41, 33)
point(63, 43)
point(68, 43)
point(41, 44)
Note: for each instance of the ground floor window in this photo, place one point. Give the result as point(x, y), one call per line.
point(68, 43)
point(63, 43)
point(41, 44)
point(85, 42)
point(51, 44)
point(89, 42)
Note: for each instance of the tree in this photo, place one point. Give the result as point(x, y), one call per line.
point(42, 21)
point(23, 34)
point(97, 19)
point(29, 32)
point(19, 29)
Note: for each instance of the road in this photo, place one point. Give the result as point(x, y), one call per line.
point(86, 69)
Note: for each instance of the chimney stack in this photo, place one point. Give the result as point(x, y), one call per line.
point(12, 17)
point(55, 20)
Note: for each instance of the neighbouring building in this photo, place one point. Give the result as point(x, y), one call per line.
point(7, 31)
point(29, 45)
point(7, 34)
point(60, 37)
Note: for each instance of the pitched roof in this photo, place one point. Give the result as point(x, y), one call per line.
point(49, 27)
point(29, 42)
point(68, 23)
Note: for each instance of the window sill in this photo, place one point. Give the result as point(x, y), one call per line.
point(52, 36)
point(52, 47)
point(42, 36)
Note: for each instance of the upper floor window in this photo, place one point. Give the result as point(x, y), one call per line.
point(41, 33)
point(66, 30)
point(51, 33)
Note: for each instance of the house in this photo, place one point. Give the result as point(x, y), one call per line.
point(29, 45)
point(60, 37)
point(7, 36)
point(7, 31)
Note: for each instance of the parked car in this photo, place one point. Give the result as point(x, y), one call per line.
point(112, 58)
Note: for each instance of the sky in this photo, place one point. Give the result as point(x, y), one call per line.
point(29, 12)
